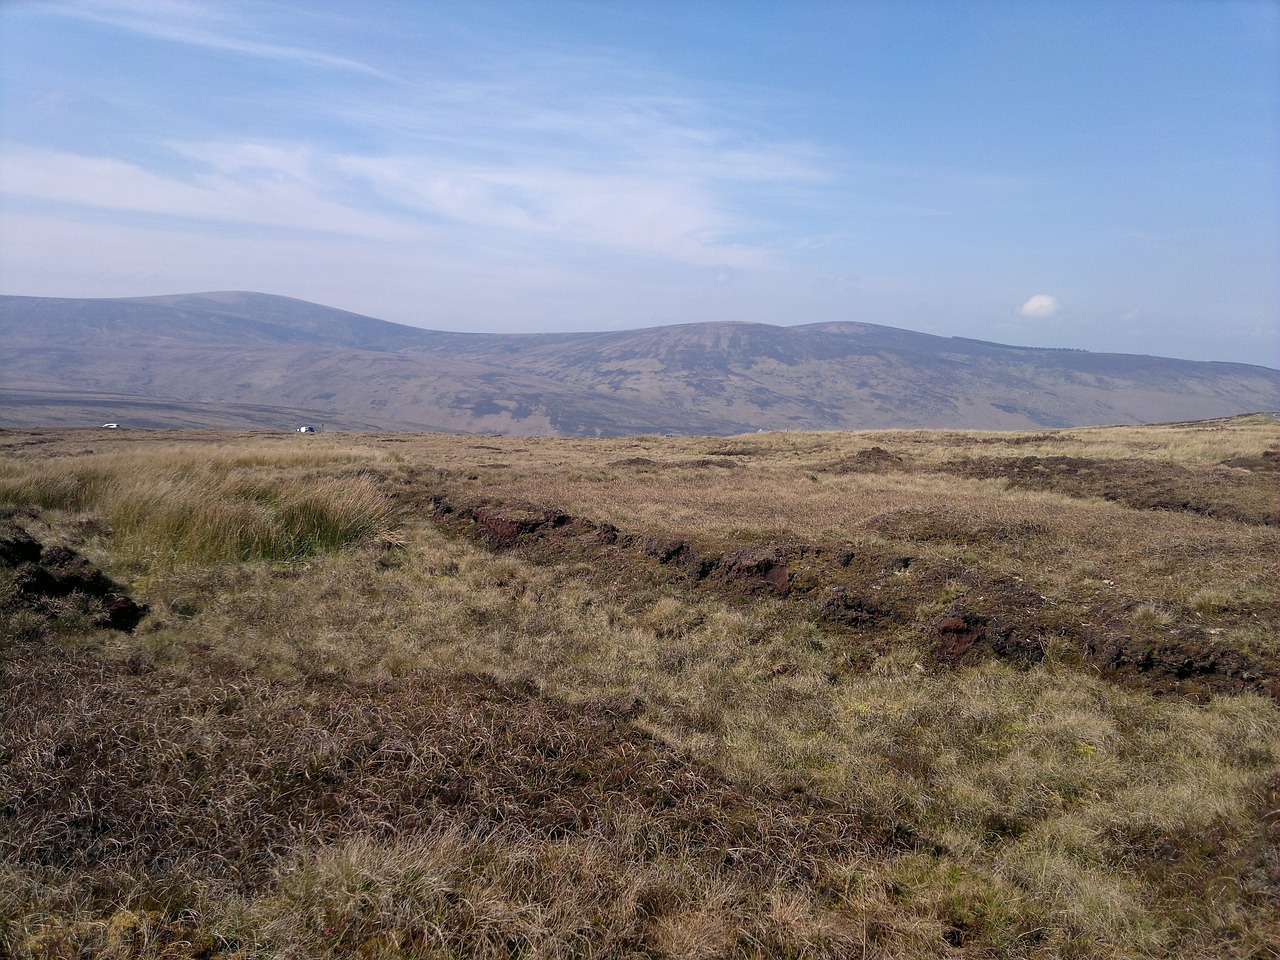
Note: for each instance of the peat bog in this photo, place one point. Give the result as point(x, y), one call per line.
point(891, 694)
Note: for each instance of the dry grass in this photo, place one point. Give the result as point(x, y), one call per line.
point(181, 505)
point(414, 745)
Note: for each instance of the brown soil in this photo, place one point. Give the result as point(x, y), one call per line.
point(1267, 462)
point(505, 528)
point(1220, 492)
point(869, 460)
point(633, 462)
point(1181, 660)
point(963, 637)
point(42, 576)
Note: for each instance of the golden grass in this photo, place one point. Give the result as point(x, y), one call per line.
point(181, 505)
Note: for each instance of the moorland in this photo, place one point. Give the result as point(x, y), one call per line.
point(848, 694)
point(239, 360)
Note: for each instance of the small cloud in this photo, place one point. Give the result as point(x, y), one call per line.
point(1040, 307)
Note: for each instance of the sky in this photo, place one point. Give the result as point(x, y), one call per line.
point(1094, 174)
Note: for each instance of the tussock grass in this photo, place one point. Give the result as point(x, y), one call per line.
point(182, 507)
point(223, 519)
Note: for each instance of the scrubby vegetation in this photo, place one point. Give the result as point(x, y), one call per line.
point(895, 694)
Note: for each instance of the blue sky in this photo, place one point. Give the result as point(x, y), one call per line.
point(1091, 173)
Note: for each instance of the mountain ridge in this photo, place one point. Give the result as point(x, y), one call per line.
point(261, 351)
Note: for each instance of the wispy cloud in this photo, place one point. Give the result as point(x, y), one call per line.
point(652, 174)
point(206, 25)
point(564, 149)
point(632, 213)
point(263, 187)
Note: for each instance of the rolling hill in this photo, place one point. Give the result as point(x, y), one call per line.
point(238, 360)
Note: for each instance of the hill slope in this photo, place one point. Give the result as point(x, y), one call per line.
point(222, 359)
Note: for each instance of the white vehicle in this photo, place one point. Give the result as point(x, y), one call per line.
point(306, 429)
point(111, 426)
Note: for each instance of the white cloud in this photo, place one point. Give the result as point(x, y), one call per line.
point(247, 185)
point(1040, 307)
point(199, 25)
point(550, 155)
point(634, 213)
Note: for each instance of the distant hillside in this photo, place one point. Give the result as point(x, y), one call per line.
point(253, 360)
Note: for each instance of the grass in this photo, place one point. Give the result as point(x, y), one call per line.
point(182, 507)
point(368, 734)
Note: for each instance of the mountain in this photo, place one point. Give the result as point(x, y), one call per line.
point(240, 360)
